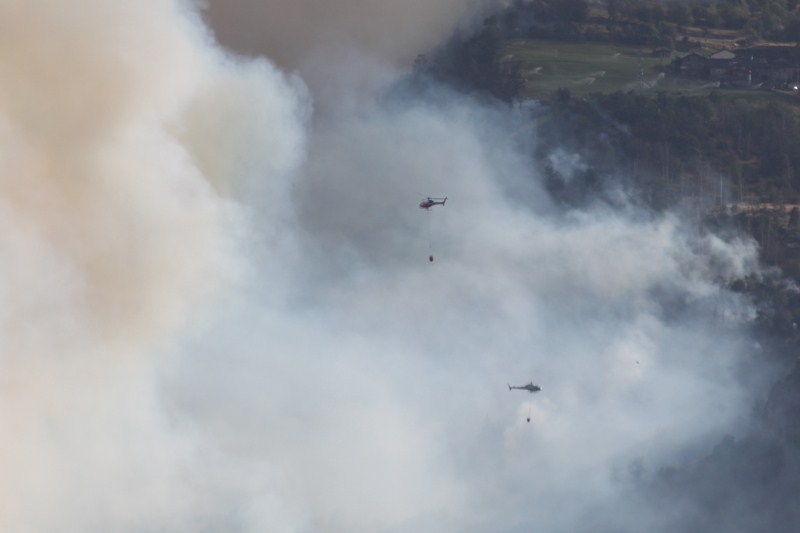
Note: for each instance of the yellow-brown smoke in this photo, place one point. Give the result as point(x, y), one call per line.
point(290, 31)
point(116, 220)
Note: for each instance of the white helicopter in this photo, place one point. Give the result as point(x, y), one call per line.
point(530, 387)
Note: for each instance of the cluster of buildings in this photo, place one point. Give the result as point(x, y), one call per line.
point(762, 66)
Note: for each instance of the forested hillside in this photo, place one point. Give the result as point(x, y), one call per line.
point(729, 158)
point(721, 147)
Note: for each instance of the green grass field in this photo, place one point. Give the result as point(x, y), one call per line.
point(586, 68)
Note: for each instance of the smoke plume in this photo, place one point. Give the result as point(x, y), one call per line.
point(219, 313)
point(289, 32)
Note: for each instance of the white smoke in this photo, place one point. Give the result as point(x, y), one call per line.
point(219, 313)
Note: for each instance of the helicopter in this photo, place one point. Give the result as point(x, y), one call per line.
point(426, 204)
point(530, 387)
point(429, 202)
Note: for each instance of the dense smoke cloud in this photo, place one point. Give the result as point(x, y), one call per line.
point(291, 31)
point(220, 317)
point(110, 119)
point(344, 50)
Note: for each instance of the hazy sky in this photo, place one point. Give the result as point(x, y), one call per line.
point(219, 314)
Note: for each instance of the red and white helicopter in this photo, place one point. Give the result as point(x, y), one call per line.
point(429, 202)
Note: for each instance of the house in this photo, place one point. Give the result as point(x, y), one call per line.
point(769, 65)
point(692, 65)
point(776, 73)
point(719, 65)
point(773, 65)
point(740, 75)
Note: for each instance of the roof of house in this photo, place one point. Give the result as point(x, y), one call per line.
point(723, 54)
